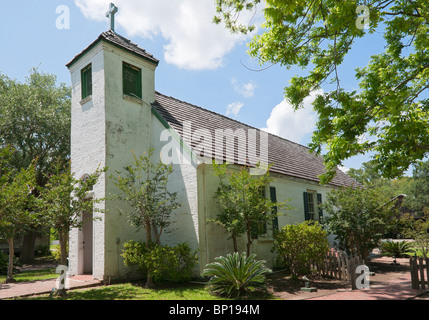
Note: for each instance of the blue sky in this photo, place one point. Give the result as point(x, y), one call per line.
point(199, 62)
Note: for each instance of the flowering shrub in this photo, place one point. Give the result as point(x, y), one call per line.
point(300, 246)
point(161, 262)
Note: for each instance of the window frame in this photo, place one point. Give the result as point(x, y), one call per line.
point(86, 81)
point(310, 205)
point(134, 90)
point(317, 213)
point(271, 227)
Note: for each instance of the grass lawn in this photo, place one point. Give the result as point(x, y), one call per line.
point(135, 291)
point(128, 291)
point(123, 291)
point(138, 291)
point(28, 276)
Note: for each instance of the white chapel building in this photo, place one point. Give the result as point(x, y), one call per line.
point(116, 111)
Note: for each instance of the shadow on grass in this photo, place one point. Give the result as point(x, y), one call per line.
point(138, 291)
point(34, 275)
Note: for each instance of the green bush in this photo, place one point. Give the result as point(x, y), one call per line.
point(42, 250)
point(163, 262)
point(4, 263)
point(396, 249)
point(235, 274)
point(56, 253)
point(299, 246)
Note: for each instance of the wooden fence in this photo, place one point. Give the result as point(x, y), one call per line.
point(338, 265)
point(419, 267)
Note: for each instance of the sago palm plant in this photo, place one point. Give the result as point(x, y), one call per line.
point(396, 249)
point(235, 274)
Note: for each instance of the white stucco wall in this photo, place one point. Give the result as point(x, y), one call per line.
point(88, 146)
point(183, 180)
point(127, 131)
point(106, 131)
point(213, 237)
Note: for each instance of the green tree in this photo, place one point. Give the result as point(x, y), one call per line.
point(144, 186)
point(358, 218)
point(64, 199)
point(418, 193)
point(15, 201)
point(243, 207)
point(367, 174)
point(35, 119)
point(390, 107)
point(418, 229)
point(370, 176)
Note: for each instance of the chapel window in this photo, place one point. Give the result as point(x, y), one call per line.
point(86, 80)
point(132, 80)
point(275, 222)
point(312, 206)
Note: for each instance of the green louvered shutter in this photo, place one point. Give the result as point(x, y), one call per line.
point(86, 81)
point(273, 197)
point(132, 80)
point(319, 202)
point(306, 213)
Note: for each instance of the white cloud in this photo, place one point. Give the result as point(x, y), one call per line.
point(234, 108)
point(247, 90)
point(194, 41)
point(290, 124)
point(343, 169)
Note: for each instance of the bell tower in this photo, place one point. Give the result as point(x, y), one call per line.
point(113, 87)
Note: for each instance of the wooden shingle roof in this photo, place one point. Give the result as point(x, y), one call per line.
point(119, 41)
point(287, 158)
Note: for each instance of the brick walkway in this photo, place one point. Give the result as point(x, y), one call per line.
point(397, 288)
point(22, 289)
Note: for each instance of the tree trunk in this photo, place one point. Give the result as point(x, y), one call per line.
point(148, 228)
point(149, 281)
point(353, 276)
point(157, 234)
point(28, 247)
point(365, 254)
point(234, 241)
point(63, 239)
point(249, 242)
point(10, 278)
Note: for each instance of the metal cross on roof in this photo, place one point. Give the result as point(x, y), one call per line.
point(111, 15)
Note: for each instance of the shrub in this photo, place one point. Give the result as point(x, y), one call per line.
point(56, 253)
point(299, 246)
point(4, 263)
point(396, 249)
point(235, 274)
point(161, 262)
point(42, 250)
point(357, 219)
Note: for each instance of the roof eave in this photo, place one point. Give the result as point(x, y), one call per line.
point(154, 61)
